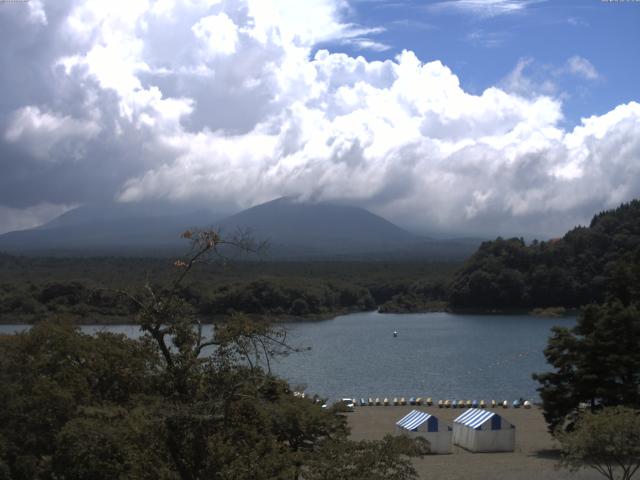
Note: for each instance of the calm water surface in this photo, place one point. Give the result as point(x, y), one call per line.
point(435, 354)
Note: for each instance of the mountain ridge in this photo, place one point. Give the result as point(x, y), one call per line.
point(293, 229)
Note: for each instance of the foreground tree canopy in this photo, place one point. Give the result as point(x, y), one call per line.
point(597, 364)
point(607, 441)
point(172, 404)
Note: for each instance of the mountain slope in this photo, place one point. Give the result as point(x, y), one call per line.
point(300, 230)
point(107, 229)
point(111, 212)
point(319, 228)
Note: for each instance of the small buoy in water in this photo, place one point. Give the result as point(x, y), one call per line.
point(395, 334)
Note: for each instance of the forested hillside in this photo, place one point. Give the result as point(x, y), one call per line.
point(587, 265)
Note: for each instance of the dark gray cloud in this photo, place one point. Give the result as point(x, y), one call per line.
point(221, 103)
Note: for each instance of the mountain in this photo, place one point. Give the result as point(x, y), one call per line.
point(292, 229)
point(110, 212)
point(109, 229)
point(319, 228)
point(304, 229)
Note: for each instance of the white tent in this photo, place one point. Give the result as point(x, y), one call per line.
point(483, 431)
point(427, 426)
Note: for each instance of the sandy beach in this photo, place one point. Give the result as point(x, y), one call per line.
point(535, 455)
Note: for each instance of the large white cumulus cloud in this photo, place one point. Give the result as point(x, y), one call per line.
point(229, 103)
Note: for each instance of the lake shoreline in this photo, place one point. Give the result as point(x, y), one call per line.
point(291, 319)
point(217, 319)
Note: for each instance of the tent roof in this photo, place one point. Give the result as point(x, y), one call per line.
point(413, 420)
point(475, 417)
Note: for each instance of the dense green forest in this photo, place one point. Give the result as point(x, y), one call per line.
point(587, 265)
point(596, 363)
point(78, 406)
point(90, 289)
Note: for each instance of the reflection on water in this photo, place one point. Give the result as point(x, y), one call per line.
point(435, 354)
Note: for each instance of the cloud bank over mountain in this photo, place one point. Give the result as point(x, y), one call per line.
point(235, 103)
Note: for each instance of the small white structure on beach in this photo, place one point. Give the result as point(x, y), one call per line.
point(480, 430)
point(422, 424)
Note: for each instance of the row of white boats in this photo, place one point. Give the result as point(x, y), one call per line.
point(440, 403)
point(428, 401)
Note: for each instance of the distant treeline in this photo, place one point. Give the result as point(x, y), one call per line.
point(588, 265)
point(95, 289)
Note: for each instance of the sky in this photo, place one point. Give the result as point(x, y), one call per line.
point(456, 117)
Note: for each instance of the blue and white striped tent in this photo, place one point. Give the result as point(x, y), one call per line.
point(480, 430)
point(422, 424)
point(415, 419)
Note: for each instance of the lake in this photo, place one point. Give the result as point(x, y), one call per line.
point(439, 355)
